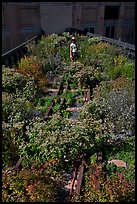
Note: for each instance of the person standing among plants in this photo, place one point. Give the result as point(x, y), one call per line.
point(73, 50)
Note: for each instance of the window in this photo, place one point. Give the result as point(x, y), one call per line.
point(111, 12)
point(110, 31)
point(89, 29)
point(86, 30)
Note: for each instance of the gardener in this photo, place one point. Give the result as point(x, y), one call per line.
point(73, 50)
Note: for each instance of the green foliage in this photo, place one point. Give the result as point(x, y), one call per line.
point(65, 113)
point(93, 109)
point(58, 136)
point(116, 99)
point(49, 51)
point(93, 40)
point(30, 67)
point(124, 151)
point(12, 138)
point(109, 115)
point(53, 53)
point(128, 71)
point(18, 85)
point(44, 104)
point(17, 108)
point(69, 97)
point(29, 185)
point(18, 98)
point(122, 67)
point(65, 53)
point(113, 189)
point(56, 107)
point(11, 80)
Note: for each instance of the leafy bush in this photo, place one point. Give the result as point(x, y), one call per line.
point(11, 139)
point(93, 40)
point(114, 189)
point(43, 104)
point(17, 109)
point(11, 80)
point(110, 114)
point(60, 138)
point(125, 151)
point(29, 185)
point(18, 85)
point(118, 102)
point(128, 71)
point(49, 51)
point(15, 112)
point(29, 67)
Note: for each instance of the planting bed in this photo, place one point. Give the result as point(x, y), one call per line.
point(68, 100)
point(62, 141)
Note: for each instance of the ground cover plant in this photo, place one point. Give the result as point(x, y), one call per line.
point(50, 148)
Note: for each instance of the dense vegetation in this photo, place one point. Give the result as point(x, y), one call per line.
point(50, 148)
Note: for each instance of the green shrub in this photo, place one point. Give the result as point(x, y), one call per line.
point(29, 185)
point(59, 136)
point(113, 189)
point(12, 137)
point(118, 102)
point(29, 67)
point(128, 71)
point(11, 80)
point(110, 114)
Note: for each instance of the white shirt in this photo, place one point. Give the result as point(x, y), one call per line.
point(74, 47)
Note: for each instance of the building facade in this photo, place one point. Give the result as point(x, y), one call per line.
point(20, 21)
point(23, 20)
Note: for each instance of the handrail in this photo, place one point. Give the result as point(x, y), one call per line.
point(12, 56)
point(126, 47)
point(110, 40)
point(120, 43)
point(18, 47)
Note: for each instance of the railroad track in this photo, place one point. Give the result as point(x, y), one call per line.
point(79, 168)
point(75, 184)
point(58, 92)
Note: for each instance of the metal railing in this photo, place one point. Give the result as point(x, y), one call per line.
point(127, 48)
point(13, 56)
